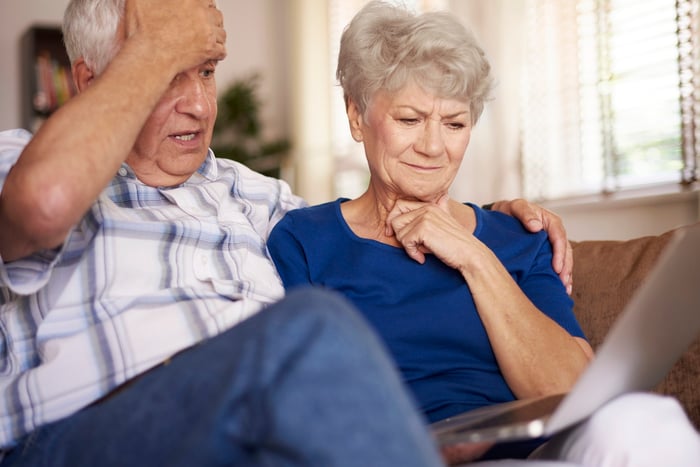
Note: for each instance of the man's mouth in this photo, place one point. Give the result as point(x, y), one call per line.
point(185, 137)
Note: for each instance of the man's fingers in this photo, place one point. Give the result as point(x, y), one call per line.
point(557, 235)
point(530, 215)
point(559, 246)
point(563, 256)
point(562, 261)
point(536, 218)
point(221, 43)
point(160, 23)
point(566, 274)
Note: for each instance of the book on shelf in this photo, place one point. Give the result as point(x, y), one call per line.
point(54, 84)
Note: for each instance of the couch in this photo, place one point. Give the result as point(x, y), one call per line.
point(606, 274)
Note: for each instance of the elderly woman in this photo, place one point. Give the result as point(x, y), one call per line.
point(465, 299)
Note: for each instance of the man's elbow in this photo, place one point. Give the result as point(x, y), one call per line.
point(32, 222)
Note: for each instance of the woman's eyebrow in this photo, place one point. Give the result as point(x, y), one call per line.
point(424, 112)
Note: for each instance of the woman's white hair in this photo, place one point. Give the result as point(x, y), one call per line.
point(90, 31)
point(386, 46)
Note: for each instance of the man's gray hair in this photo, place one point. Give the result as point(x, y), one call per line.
point(386, 46)
point(90, 31)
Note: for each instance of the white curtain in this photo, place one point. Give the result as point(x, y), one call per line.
point(491, 168)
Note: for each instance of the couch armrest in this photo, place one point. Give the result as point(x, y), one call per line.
point(606, 275)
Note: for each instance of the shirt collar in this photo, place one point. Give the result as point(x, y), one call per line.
point(209, 169)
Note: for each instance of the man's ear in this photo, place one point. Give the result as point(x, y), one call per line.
point(354, 120)
point(82, 75)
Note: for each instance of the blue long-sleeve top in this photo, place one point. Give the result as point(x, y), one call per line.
point(424, 312)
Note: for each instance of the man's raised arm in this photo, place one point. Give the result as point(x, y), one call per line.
point(78, 149)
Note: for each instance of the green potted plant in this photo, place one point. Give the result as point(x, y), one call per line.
point(238, 129)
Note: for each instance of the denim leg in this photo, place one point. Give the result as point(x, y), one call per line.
point(303, 383)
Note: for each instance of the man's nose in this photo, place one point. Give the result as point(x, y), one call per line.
point(193, 98)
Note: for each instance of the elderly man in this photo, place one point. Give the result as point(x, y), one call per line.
point(128, 252)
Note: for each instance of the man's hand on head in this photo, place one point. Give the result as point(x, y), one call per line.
point(184, 33)
point(536, 218)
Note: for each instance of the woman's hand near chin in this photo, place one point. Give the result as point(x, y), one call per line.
point(423, 228)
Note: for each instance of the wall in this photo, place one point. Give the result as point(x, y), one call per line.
point(629, 215)
point(256, 30)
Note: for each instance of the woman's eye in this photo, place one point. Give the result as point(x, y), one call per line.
point(409, 121)
point(456, 125)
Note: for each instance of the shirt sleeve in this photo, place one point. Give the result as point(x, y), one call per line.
point(25, 276)
point(528, 258)
point(286, 201)
point(12, 142)
point(546, 291)
point(288, 254)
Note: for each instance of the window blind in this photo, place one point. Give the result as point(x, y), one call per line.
point(609, 95)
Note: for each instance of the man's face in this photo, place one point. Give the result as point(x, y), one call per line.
point(174, 141)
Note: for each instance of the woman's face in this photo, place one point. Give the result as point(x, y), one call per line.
point(414, 141)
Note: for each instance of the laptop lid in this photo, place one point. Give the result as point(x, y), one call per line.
point(658, 324)
point(656, 327)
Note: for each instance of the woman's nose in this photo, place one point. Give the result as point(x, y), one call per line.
point(432, 143)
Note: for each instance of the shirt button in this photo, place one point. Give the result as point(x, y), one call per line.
point(123, 172)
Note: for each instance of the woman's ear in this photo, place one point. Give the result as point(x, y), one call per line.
point(355, 120)
point(82, 75)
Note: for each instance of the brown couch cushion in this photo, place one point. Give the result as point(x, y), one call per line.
point(606, 274)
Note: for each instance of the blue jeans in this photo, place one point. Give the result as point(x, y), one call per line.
point(303, 383)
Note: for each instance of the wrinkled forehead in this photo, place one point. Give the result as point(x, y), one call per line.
point(413, 91)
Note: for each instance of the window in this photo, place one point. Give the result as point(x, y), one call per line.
point(610, 95)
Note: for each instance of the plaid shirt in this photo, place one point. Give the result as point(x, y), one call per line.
point(147, 272)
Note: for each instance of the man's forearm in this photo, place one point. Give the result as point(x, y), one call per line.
point(75, 154)
point(79, 149)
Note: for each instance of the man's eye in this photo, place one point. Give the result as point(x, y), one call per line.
point(207, 73)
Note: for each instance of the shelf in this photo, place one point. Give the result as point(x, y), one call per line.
point(47, 80)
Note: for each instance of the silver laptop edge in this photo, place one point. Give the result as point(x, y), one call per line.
point(663, 315)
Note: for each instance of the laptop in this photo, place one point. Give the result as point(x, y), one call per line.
point(656, 327)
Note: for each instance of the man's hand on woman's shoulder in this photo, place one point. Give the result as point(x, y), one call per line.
point(536, 218)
